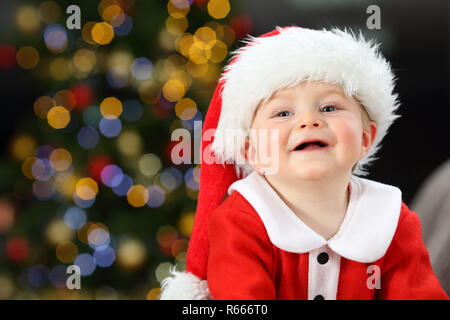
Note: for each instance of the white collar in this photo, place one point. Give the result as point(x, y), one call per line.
point(364, 236)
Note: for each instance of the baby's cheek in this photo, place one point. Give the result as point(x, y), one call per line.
point(270, 144)
point(351, 136)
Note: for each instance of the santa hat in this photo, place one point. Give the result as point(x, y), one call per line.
point(279, 59)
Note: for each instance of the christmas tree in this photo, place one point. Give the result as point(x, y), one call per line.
point(88, 177)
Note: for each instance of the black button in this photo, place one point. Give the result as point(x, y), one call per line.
point(322, 258)
point(319, 297)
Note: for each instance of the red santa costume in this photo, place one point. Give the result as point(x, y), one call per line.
point(251, 245)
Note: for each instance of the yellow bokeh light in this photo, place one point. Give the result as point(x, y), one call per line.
point(58, 117)
point(186, 223)
point(166, 40)
point(226, 34)
point(106, 3)
point(149, 92)
point(111, 108)
point(176, 26)
point(129, 143)
point(199, 53)
point(186, 109)
point(27, 57)
point(183, 43)
point(218, 9)
point(173, 90)
point(102, 33)
point(65, 184)
point(23, 147)
point(27, 19)
point(196, 70)
point(154, 294)
point(219, 52)
point(205, 37)
point(137, 195)
point(131, 254)
point(57, 231)
point(178, 8)
point(86, 32)
point(66, 252)
point(49, 12)
point(26, 167)
point(149, 164)
point(86, 188)
point(84, 60)
point(65, 98)
point(59, 69)
point(60, 159)
point(111, 11)
point(42, 105)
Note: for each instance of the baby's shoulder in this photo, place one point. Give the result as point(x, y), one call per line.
point(236, 205)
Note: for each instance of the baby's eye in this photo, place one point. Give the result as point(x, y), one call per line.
point(328, 108)
point(283, 114)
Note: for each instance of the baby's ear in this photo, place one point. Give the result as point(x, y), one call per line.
point(249, 152)
point(368, 137)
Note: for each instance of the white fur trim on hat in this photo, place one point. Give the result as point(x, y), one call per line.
point(290, 57)
point(184, 286)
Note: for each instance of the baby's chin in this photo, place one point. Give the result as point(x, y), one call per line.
point(310, 173)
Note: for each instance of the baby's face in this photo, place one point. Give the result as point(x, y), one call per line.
point(318, 112)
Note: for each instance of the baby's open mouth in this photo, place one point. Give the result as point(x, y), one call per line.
point(313, 145)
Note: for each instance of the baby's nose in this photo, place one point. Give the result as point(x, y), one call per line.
point(310, 122)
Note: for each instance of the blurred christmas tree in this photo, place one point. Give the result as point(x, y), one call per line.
point(88, 178)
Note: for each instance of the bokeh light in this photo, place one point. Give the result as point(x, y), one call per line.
point(38, 275)
point(43, 190)
point(110, 127)
point(42, 105)
point(141, 68)
point(27, 57)
point(74, 217)
point(124, 186)
point(86, 188)
point(149, 164)
point(111, 108)
point(157, 196)
point(60, 159)
point(102, 33)
point(132, 110)
point(186, 109)
point(92, 116)
point(218, 9)
point(137, 196)
point(27, 19)
point(55, 38)
point(57, 231)
point(66, 252)
point(131, 253)
point(105, 257)
point(23, 146)
point(111, 175)
point(86, 263)
point(58, 117)
point(88, 137)
point(49, 12)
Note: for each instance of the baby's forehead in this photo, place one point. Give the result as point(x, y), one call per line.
point(318, 87)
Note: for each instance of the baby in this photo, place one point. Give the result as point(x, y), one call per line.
point(306, 111)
